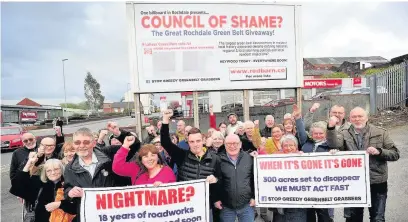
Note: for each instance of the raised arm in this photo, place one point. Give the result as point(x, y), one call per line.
point(297, 114)
point(308, 118)
point(120, 166)
point(175, 152)
point(213, 118)
point(334, 138)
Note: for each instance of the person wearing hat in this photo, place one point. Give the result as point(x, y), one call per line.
point(233, 123)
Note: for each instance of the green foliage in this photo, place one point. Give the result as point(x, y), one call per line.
point(81, 105)
point(372, 71)
point(336, 75)
point(93, 94)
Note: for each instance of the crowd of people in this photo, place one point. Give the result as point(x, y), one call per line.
point(49, 175)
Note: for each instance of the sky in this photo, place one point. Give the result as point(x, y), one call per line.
point(35, 37)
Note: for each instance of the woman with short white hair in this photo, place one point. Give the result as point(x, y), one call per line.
point(215, 143)
point(45, 192)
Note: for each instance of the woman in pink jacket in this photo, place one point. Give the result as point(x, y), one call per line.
point(150, 169)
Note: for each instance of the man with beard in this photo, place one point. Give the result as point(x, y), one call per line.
point(378, 144)
point(233, 123)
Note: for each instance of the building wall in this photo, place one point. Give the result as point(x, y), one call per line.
point(145, 99)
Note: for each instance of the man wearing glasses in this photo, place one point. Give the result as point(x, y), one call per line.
point(235, 195)
point(91, 167)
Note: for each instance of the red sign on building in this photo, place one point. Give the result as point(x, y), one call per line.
point(322, 83)
point(357, 81)
point(28, 115)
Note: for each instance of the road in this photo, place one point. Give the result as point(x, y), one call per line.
point(396, 203)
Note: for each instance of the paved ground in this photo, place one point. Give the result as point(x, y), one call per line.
point(397, 195)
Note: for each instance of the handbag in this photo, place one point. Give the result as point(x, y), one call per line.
point(29, 215)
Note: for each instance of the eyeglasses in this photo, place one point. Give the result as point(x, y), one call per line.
point(29, 139)
point(45, 145)
point(232, 144)
point(85, 142)
point(56, 170)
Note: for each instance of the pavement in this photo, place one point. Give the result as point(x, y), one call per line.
point(397, 194)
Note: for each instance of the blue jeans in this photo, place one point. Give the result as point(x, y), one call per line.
point(245, 214)
point(377, 209)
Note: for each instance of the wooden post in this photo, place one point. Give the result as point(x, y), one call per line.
point(246, 105)
point(299, 97)
point(138, 116)
point(195, 110)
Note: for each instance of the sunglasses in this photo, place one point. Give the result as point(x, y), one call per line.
point(27, 140)
point(85, 142)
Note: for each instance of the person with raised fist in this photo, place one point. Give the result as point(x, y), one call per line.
point(361, 136)
point(150, 169)
point(193, 164)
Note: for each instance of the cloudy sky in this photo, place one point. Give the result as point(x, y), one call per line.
point(35, 37)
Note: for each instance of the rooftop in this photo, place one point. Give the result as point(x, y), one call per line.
point(340, 60)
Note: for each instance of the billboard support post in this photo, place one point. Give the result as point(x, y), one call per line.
point(195, 110)
point(138, 116)
point(246, 105)
point(299, 97)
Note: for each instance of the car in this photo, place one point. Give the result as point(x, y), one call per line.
point(324, 94)
point(11, 137)
point(280, 102)
point(132, 114)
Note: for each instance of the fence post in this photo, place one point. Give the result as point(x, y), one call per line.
point(246, 105)
point(196, 114)
point(373, 95)
point(406, 83)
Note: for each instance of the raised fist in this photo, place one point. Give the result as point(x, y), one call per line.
point(333, 121)
point(314, 107)
point(167, 114)
point(297, 113)
point(129, 140)
point(256, 122)
point(113, 128)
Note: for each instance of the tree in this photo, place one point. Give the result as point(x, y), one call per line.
point(335, 75)
point(93, 95)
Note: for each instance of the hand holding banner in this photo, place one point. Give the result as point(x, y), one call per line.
point(318, 180)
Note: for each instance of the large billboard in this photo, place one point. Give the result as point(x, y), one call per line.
point(198, 47)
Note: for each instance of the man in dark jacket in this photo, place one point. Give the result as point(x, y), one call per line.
point(91, 167)
point(235, 187)
point(269, 122)
point(20, 156)
point(197, 162)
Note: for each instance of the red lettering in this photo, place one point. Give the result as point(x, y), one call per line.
point(271, 165)
point(100, 201)
point(351, 163)
point(129, 199)
point(118, 200)
point(162, 198)
point(172, 196)
point(181, 195)
point(255, 21)
point(151, 198)
point(139, 194)
point(110, 201)
point(189, 192)
point(173, 21)
point(311, 164)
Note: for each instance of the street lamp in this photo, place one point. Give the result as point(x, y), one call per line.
point(65, 92)
point(128, 105)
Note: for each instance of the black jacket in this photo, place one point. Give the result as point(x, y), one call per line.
point(247, 145)
point(18, 160)
point(235, 186)
point(189, 167)
point(28, 188)
point(149, 138)
point(75, 175)
point(266, 132)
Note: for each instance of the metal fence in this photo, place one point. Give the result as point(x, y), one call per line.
point(389, 88)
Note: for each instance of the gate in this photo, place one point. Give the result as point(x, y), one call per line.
point(389, 88)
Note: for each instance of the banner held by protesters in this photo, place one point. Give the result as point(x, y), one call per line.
point(176, 202)
point(313, 180)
